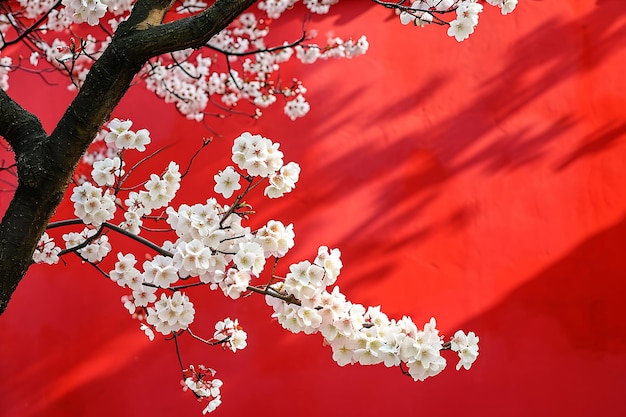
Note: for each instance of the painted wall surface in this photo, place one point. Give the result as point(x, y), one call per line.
point(481, 183)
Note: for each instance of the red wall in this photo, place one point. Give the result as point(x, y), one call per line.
point(480, 182)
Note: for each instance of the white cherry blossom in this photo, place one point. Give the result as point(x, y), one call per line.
point(227, 182)
point(298, 107)
point(461, 28)
point(46, 251)
point(275, 238)
point(171, 314)
point(107, 170)
point(231, 334)
point(89, 11)
point(467, 348)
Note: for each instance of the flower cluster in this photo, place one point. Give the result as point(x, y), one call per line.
point(95, 205)
point(187, 78)
point(467, 348)
point(466, 20)
point(203, 387)
point(335, 48)
point(212, 243)
point(46, 251)
point(214, 247)
point(298, 107)
point(171, 313)
point(418, 14)
point(260, 157)
point(230, 334)
point(184, 83)
point(158, 192)
point(283, 181)
point(423, 12)
point(92, 248)
point(355, 333)
point(92, 205)
point(257, 155)
point(125, 273)
point(107, 171)
point(124, 138)
point(89, 11)
point(275, 238)
point(34, 8)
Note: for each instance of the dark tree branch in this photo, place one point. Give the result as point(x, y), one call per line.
point(190, 32)
point(17, 126)
point(110, 226)
point(45, 164)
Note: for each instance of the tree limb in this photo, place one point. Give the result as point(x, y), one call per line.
point(18, 126)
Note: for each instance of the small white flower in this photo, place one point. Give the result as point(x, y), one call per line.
point(105, 171)
point(250, 257)
point(461, 28)
point(148, 331)
point(141, 139)
point(508, 6)
point(160, 271)
point(227, 182)
point(213, 404)
point(34, 58)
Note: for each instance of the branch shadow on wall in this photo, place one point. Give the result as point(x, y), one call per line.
point(558, 340)
point(543, 59)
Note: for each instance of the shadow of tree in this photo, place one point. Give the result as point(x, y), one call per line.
point(603, 139)
point(544, 62)
point(561, 333)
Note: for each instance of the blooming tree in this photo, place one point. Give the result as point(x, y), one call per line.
point(205, 58)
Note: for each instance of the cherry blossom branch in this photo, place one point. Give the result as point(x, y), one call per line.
point(178, 287)
point(83, 244)
point(96, 266)
point(135, 166)
point(288, 298)
point(180, 361)
point(213, 342)
point(237, 203)
point(258, 51)
point(273, 274)
point(230, 111)
point(205, 142)
point(412, 11)
point(408, 9)
point(143, 241)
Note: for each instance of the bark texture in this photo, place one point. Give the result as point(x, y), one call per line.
point(45, 163)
